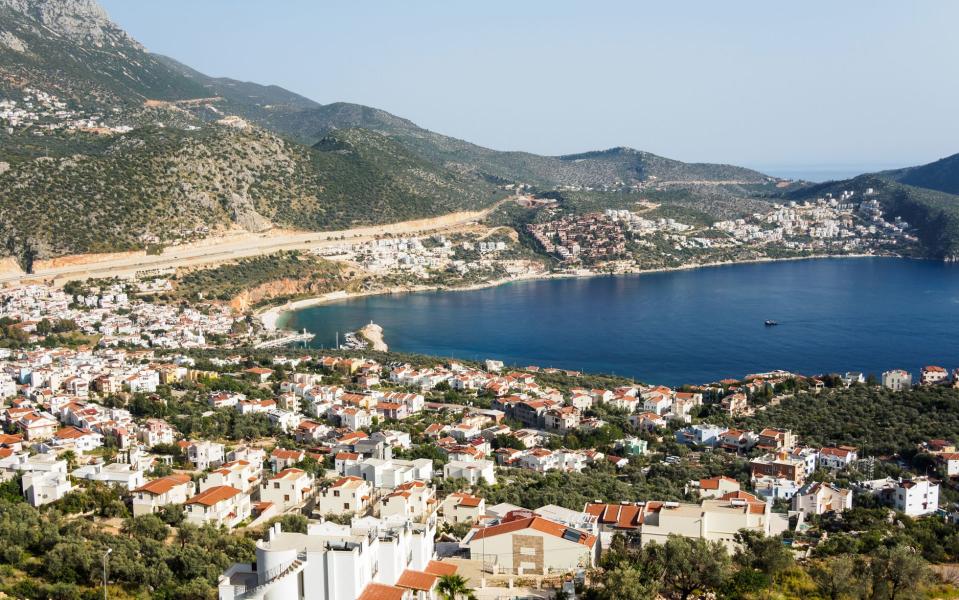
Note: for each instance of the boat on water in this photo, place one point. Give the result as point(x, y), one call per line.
point(770, 323)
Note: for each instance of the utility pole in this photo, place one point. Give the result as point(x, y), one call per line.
point(105, 555)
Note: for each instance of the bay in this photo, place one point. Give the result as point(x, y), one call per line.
point(695, 326)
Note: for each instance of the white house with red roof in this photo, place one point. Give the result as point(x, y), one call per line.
point(282, 458)
point(933, 375)
point(714, 487)
point(36, 426)
point(347, 495)
point(414, 500)
point(461, 507)
point(239, 474)
point(287, 489)
point(816, 498)
point(155, 494)
point(220, 505)
point(156, 431)
point(837, 457)
point(74, 438)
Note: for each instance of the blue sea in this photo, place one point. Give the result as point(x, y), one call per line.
point(697, 326)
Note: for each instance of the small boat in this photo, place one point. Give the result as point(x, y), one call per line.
point(769, 323)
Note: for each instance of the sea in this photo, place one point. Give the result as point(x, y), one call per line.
point(679, 327)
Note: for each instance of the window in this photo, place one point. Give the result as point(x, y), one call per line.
point(527, 551)
point(276, 486)
point(286, 497)
point(346, 506)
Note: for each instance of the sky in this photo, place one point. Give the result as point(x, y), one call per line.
point(830, 85)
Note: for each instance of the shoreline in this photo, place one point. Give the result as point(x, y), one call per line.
point(272, 317)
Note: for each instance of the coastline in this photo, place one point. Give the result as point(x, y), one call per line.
point(272, 316)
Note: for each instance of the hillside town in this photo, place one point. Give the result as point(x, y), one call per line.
point(399, 468)
point(40, 112)
point(425, 257)
point(843, 224)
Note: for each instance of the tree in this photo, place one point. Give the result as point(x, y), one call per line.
point(626, 582)
point(897, 572)
point(763, 553)
point(146, 526)
point(838, 577)
point(454, 587)
point(690, 565)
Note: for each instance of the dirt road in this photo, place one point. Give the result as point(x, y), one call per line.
point(212, 251)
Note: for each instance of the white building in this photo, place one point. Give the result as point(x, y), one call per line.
point(817, 498)
point(222, 505)
point(897, 380)
point(239, 474)
point(713, 520)
point(348, 495)
point(914, 497)
point(287, 489)
point(172, 489)
point(389, 474)
point(203, 454)
point(837, 458)
point(44, 487)
point(121, 475)
point(411, 501)
point(472, 471)
point(370, 559)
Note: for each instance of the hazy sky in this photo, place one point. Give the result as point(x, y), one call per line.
point(761, 83)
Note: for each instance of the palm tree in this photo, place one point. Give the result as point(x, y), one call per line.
point(454, 587)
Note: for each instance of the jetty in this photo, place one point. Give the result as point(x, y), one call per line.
point(293, 338)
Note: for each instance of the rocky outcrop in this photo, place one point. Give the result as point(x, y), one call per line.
point(81, 21)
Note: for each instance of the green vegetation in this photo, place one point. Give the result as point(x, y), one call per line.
point(877, 421)
point(49, 555)
point(304, 274)
point(763, 567)
point(164, 185)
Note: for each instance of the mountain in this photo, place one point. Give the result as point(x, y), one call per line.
point(258, 103)
point(105, 146)
point(71, 48)
point(616, 166)
point(941, 175)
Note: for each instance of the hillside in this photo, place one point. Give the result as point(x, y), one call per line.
point(71, 48)
point(934, 214)
point(165, 185)
point(941, 175)
point(616, 166)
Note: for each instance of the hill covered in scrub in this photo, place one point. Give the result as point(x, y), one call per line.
point(165, 185)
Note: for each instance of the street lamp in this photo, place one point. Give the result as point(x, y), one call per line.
point(105, 555)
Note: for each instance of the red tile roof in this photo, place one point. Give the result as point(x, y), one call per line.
point(163, 484)
point(537, 523)
point(417, 580)
point(379, 591)
point(214, 495)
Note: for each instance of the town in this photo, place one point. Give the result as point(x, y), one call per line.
point(625, 240)
point(403, 471)
point(40, 112)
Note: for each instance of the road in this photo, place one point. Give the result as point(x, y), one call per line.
point(213, 251)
